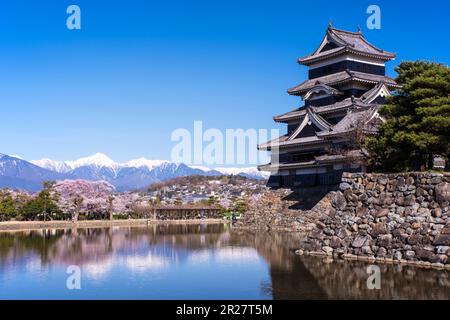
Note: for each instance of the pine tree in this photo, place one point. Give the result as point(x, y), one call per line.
point(417, 119)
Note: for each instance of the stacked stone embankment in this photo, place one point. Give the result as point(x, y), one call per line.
point(274, 210)
point(401, 218)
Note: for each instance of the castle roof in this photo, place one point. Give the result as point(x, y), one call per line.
point(379, 90)
point(316, 162)
point(321, 110)
point(340, 78)
point(343, 42)
point(355, 118)
point(359, 115)
point(320, 87)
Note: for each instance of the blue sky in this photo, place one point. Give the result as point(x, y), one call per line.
point(140, 69)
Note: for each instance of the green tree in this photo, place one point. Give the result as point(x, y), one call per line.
point(240, 205)
point(20, 200)
point(49, 198)
point(212, 200)
point(43, 206)
point(31, 210)
point(8, 208)
point(417, 119)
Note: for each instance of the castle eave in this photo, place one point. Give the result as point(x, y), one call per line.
point(309, 60)
point(342, 78)
point(295, 165)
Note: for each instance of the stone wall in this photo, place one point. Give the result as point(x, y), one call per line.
point(278, 210)
point(386, 217)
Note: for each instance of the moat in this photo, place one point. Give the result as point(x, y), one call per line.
point(208, 261)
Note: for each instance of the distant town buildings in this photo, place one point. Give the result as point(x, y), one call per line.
point(215, 190)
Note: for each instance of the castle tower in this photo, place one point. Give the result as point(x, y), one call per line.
point(346, 86)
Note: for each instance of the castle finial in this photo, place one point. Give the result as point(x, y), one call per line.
point(330, 24)
point(359, 29)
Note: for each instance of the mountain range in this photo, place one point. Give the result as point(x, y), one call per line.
point(16, 172)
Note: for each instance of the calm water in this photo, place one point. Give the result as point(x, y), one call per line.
point(192, 262)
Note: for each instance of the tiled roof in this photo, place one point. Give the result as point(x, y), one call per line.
point(346, 42)
point(322, 87)
point(368, 93)
point(284, 142)
point(304, 140)
point(276, 141)
point(310, 118)
point(341, 77)
point(300, 112)
point(353, 119)
point(358, 115)
point(352, 154)
point(290, 165)
point(294, 114)
point(316, 118)
point(341, 105)
point(371, 94)
point(333, 157)
point(357, 41)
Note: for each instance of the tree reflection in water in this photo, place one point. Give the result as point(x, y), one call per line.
point(153, 247)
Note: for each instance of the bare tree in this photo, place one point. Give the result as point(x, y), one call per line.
point(110, 208)
point(77, 203)
point(356, 133)
point(154, 202)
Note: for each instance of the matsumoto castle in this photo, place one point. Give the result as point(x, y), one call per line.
point(345, 89)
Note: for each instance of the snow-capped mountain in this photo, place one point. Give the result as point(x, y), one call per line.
point(250, 172)
point(98, 160)
point(131, 175)
point(58, 166)
point(144, 163)
point(18, 173)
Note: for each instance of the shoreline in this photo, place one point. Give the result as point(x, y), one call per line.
point(36, 225)
point(374, 260)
